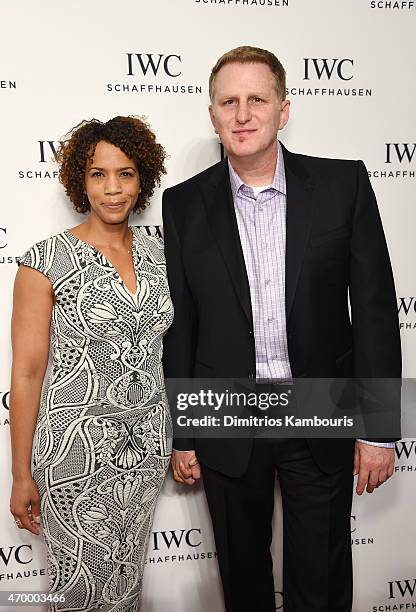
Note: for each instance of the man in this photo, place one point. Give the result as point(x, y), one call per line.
point(262, 250)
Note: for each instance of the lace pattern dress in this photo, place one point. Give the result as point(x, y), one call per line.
point(103, 437)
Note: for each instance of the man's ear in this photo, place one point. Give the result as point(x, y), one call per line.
point(212, 116)
point(284, 113)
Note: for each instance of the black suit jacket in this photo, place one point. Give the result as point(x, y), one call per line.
point(335, 245)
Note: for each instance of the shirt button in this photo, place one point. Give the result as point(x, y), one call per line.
point(270, 319)
point(261, 208)
point(267, 282)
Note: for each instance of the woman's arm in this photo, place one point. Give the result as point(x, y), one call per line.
point(32, 310)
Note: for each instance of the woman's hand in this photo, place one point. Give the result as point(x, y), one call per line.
point(25, 504)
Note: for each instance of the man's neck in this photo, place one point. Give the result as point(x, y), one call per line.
point(255, 171)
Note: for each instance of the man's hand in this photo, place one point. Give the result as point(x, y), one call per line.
point(373, 464)
point(185, 467)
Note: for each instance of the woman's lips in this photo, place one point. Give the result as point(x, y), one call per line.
point(114, 204)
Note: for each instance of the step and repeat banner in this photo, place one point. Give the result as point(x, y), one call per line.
point(350, 77)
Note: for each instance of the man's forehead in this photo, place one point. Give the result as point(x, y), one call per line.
point(237, 76)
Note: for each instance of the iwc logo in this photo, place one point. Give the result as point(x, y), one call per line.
point(400, 595)
point(177, 546)
point(154, 73)
point(45, 155)
point(15, 563)
point(407, 312)
point(399, 160)
point(406, 456)
point(329, 77)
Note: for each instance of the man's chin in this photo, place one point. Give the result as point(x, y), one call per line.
point(243, 151)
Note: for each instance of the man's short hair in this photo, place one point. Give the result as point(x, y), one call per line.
point(251, 55)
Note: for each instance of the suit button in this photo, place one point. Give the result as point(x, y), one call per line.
point(251, 332)
point(251, 375)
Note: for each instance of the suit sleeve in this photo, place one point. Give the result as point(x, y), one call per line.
point(180, 341)
point(376, 333)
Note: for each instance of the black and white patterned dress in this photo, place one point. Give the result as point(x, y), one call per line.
point(103, 437)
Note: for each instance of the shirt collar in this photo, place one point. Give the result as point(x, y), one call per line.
point(279, 179)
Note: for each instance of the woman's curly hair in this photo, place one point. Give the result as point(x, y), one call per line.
point(130, 134)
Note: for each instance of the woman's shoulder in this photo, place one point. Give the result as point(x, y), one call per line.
point(41, 254)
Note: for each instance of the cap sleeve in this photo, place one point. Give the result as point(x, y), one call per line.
point(37, 257)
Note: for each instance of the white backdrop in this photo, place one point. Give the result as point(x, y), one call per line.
point(351, 67)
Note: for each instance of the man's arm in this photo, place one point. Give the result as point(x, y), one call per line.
point(375, 329)
point(179, 343)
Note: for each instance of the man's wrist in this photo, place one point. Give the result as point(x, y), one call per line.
point(380, 444)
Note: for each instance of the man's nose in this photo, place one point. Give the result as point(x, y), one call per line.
point(112, 184)
point(243, 112)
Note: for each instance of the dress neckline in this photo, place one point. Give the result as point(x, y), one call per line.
point(101, 254)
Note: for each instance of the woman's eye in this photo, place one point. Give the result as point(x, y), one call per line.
point(127, 173)
point(96, 173)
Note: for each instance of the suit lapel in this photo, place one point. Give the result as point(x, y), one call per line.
point(299, 213)
point(222, 219)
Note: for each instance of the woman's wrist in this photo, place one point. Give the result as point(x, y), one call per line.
point(22, 474)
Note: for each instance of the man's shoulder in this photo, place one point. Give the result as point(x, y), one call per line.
point(208, 176)
point(321, 166)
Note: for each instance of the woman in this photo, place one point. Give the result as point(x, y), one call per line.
point(95, 298)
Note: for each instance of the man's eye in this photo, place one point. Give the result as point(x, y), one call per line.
point(229, 102)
